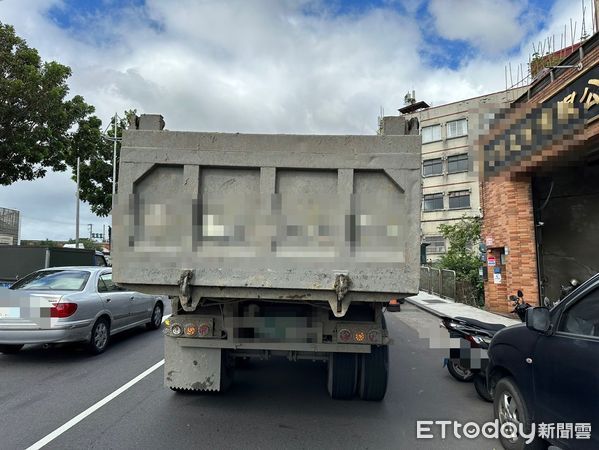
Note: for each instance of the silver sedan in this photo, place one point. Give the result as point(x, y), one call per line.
point(72, 304)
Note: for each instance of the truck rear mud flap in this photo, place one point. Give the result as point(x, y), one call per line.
point(192, 368)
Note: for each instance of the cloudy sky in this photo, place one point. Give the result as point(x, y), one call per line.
point(272, 66)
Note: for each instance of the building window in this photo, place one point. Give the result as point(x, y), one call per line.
point(433, 202)
point(457, 163)
point(459, 199)
point(457, 128)
point(431, 134)
point(432, 167)
point(436, 244)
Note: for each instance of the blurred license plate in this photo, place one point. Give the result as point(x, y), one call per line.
point(10, 313)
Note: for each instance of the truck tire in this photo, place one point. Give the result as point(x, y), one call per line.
point(342, 375)
point(374, 373)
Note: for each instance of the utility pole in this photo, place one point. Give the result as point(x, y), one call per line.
point(115, 139)
point(77, 213)
point(90, 227)
point(114, 161)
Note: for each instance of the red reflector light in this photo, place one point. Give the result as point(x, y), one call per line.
point(373, 335)
point(204, 329)
point(344, 335)
point(62, 310)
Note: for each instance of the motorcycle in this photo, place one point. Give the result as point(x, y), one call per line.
point(469, 361)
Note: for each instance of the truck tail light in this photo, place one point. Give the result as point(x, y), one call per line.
point(359, 336)
point(190, 330)
point(204, 329)
point(176, 330)
point(62, 310)
point(373, 335)
point(344, 335)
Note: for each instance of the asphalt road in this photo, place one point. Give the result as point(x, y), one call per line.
point(273, 404)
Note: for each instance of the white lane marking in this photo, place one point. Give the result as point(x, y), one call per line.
point(78, 418)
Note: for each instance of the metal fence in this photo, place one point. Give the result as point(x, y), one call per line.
point(441, 282)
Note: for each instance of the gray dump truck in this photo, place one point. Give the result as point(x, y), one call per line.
point(270, 245)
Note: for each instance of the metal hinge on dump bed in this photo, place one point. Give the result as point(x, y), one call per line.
point(342, 283)
point(185, 290)
point(341, 286)
point(338, 305)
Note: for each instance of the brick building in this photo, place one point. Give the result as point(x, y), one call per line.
point(540, 194)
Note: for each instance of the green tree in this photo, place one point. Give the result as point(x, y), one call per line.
point(461, 255)
point(96, 153)
point(35, 118)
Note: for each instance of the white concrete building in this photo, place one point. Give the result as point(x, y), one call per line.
point(450, 176)
point(9, 226)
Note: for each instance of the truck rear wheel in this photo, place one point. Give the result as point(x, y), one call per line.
point(342, 375)
point(374, 373)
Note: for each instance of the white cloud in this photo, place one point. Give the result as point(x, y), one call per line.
point(259, 67)
point(489, 25)
point(48, 208)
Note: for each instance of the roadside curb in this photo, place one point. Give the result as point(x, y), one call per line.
point(447, 308)
point(425, 308)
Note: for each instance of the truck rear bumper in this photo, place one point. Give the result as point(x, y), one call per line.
point(285, 346)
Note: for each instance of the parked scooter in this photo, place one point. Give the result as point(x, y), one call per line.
point(520, 305)
point(469, 362)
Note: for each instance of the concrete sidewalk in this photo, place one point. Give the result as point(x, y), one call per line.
point(444, 307)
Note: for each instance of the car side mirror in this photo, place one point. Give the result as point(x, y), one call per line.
point(538, 319)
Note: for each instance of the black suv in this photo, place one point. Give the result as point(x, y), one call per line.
point(547, 373)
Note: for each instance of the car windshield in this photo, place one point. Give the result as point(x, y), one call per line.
point(56, 280)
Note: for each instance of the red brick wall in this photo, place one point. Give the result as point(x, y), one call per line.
point(508, 209)
point(509, 222)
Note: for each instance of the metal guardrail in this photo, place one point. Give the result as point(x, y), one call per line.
point(441, 282)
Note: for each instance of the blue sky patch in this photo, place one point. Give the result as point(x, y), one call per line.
point(83, 18)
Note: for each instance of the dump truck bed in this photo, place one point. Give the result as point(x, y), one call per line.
point(268, 216)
